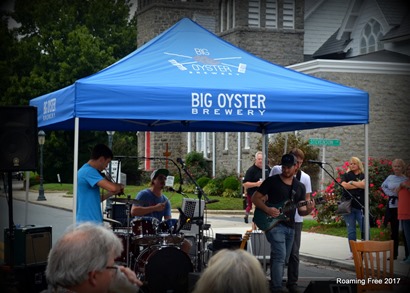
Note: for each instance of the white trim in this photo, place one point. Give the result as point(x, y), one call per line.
point(323, 65)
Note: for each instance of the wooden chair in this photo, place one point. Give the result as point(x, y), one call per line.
point(374, 264)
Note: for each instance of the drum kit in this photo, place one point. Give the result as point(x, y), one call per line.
point(153, 250)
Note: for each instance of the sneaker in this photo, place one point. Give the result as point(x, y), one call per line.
point(246, 219)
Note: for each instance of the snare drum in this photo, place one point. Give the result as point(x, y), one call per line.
point(164, 269)
point(144, 230)
point(166, 233)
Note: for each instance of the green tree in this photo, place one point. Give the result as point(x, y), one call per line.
point(61, 41)
point(56, 43)
point(288, 141)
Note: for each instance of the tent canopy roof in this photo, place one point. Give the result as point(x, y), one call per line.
point(188, 79)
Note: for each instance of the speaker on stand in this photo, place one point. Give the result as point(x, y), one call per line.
point(18, 136)
point(18, 152)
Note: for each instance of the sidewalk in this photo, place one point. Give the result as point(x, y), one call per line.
point(317, 248)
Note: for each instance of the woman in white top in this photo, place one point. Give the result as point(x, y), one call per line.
point(390, 187)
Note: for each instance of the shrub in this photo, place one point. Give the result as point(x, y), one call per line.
point(231, 182)
point(197, 164)
point(203, 181)
point(231, 193)
point(214, 188)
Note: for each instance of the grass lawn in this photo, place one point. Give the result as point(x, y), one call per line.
point(225, 203)
point(340, 229)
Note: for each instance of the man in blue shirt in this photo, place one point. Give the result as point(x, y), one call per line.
point(90, 180)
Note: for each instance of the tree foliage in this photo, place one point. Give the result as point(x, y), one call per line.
point(56, 43)
point(60, 41)
point(284, 143)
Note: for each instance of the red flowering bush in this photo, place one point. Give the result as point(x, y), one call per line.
point(378, 172)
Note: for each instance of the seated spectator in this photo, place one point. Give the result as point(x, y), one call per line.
point(232, 271)
point(82, 260)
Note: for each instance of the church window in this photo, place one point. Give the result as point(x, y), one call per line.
point(288, 14)
point(370, 39)
point(227, 9)
point(254, 13)
point(271, 14)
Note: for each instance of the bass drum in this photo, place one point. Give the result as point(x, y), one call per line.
point(164, 269)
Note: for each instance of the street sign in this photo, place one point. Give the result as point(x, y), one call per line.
point(324, 142)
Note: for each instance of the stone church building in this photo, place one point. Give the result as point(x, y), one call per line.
point(363, 44)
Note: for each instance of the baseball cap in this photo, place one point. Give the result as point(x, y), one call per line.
point(157, 172)
point(288, 160)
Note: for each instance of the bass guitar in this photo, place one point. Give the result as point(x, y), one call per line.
point(266, 222)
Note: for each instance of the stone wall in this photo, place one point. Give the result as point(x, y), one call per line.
point(389, 120)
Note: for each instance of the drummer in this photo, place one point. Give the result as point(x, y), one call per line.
point(154, 203)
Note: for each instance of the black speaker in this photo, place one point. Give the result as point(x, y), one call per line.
point(31, 245)
point(118, 212)
point(329, 287)
point(18, 136)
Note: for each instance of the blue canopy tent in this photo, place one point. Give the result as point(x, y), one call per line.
point(188, 79)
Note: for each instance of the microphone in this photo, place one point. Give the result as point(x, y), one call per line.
point(316, 162)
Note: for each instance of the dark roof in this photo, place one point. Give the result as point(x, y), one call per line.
point(382, 56)
point(393, 10)
point(400, 31)
point(333, 46)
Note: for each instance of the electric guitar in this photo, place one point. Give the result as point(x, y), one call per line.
point(266, 222)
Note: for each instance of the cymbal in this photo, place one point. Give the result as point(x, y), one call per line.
point(112, 221)
point(126, 200)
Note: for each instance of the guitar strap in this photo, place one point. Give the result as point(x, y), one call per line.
point(299, 174)
point(292, 191)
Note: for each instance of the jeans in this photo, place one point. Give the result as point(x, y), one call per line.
point(293, 264)
point(355, 215)
point(280, 238)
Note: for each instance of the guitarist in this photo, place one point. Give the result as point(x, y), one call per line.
point(293, 263)
point(280, 189)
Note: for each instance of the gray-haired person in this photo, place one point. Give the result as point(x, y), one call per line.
point(83, 260)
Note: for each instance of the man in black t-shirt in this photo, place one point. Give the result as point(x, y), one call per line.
point(252, 180)
point(280, 189)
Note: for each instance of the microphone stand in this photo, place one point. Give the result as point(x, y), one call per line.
point(198, 220)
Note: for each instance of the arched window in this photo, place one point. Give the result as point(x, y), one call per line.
point(371, 35)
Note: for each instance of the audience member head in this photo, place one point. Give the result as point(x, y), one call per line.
point(82, 260)
point(232, 271)
point(259, 159)
point(398, 166)
point(358, 163)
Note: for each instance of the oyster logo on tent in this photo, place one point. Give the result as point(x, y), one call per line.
point(201, 62)
point(49, 109)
